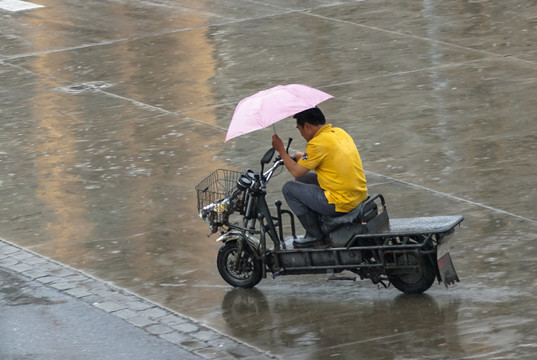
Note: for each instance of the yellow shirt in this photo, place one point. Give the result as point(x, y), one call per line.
point(335, 158)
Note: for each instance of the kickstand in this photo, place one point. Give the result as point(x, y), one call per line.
point(380, 282)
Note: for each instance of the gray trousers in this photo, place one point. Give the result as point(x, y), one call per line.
point(305, 197)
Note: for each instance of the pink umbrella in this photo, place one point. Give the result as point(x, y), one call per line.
point(270, 106)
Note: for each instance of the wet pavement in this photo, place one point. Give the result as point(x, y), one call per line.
point(111, 112)
point(52, 311)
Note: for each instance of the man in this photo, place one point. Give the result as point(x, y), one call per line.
point(336, 186)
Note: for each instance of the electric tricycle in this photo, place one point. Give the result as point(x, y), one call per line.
point(409, 253)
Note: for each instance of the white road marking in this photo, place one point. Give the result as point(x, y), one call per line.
point(17, 5)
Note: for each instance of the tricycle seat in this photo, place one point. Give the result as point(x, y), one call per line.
point(363, 213)
point(370, 215)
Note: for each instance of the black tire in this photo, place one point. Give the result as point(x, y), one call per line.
point(249, 272)
point(413, 281)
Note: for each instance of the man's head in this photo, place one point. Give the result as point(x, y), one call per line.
point(314, 116)
point(308, 122)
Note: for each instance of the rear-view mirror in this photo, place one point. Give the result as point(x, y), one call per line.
point(268, 156)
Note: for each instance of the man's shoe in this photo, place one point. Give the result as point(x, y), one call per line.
point(314, 236)
point(308, 241)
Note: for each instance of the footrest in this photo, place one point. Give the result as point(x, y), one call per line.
point(331, 277)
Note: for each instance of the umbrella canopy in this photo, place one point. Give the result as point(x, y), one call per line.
point(270, 106)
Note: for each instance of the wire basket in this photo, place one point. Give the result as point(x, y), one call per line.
point(215, 187)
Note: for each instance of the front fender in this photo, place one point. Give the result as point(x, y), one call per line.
point(252, 242)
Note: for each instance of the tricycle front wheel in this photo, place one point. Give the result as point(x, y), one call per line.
point(249, 271)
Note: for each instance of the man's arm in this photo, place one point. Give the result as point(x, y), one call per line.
point(292, 166)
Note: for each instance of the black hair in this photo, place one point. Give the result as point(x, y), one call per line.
point(314, 116)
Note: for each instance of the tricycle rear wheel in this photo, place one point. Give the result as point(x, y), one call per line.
point(414, 281)
point(249, 272)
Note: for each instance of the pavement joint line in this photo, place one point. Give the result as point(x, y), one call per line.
point(400, 73)
point(143, 36)
point(474, 203)
point(153, 318)
point(91, 87)
point(392, 32)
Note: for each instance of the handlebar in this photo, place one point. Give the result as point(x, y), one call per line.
point(268, 174)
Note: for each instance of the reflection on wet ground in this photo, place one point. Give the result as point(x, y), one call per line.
point(376, 326)
point(112, 112)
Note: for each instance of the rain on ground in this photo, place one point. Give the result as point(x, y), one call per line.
point(111, 112)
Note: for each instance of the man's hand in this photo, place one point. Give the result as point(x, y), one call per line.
point(278, 145)
point(290, 163)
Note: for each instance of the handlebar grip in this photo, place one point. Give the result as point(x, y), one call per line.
point(288, 145)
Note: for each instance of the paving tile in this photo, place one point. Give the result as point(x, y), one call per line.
point(109, 306)
point(154, 313)
point(140, 321)
point(158, 329)
point(186, 327)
